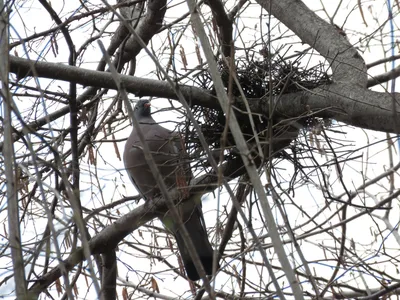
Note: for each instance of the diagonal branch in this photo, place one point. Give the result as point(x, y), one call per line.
point(347, 64)
point(146, 29)
point(109, 238)
point(248, 163)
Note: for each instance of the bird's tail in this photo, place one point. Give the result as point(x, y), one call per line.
point(195, 226)
point(193, 220)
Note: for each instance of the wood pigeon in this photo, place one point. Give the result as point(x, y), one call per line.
point(167, 151)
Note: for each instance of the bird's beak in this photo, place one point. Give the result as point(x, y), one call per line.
point(147, 105)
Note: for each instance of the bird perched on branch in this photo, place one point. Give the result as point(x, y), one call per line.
point(168, 153)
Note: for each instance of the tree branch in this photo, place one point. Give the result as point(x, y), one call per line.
point(344, 102)
point(10, 166)
point(109, 275)
point(136, 85)
point(109, 238)
point(347, 64)
point(224, 24)
point(146, 29)
point(384, 77)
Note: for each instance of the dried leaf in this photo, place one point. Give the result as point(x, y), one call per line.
point(67, 239)
point(192, 287)
point(86, 279)
point(181, 183)
point(24, 203)
point(214, 26)
point(169, 243)
point(116, 148)
point(83, 116)
point(311, 139)
point(352, 244)
point(58, 286)
point(104, 132)
point(180, 263)
point(92, 158)
point(76, 291)
point(361, 12)
point(54, 45)
point(154, 285)
point(125, 293)
point(199, 55)
point(236, 274)
point(183, 57)
point(194, 31)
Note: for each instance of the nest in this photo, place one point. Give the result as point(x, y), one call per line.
point(258, 78)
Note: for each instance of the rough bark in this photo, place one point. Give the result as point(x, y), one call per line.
point(346, 102)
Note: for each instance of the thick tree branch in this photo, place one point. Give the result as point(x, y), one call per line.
point(382, 61)
point(344, 102)
point(136, 85)
point(347, 64)
point(105, 241)
point(109, 275)
point(224, 24)
point(146, 29)
point(109, 238)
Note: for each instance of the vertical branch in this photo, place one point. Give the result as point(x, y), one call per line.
point(75, 193)
point(246, 157)
point(9, 162)
point(224, 24)
point(73, 110)
point(109, 275)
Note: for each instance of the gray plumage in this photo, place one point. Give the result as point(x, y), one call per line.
point(167, 151)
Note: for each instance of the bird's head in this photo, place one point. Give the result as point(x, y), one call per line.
point(142, 109)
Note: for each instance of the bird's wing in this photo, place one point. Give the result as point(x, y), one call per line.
point(165, 152)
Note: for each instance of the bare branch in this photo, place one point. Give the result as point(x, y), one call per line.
point(109, 275)
point(146, 29)
point(347, 64)
point(385, 77)
point(136, 85)
point(344, 102)
point(109, 238)
point(224, 24)
point(14, 239)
